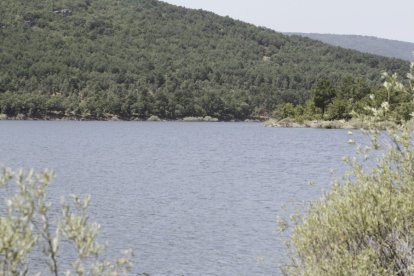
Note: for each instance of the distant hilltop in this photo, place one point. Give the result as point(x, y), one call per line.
point(145, 59)
point(367, 44)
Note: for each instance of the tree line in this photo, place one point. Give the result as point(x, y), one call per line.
point(134, 59)
point(351, 96)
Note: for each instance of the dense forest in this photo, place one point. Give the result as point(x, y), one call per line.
point(368, 44)
point(131, 59)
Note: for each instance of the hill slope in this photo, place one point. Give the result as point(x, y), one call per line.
point(367, 44)
point(135, 58)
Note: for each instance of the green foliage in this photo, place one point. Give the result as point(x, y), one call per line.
point(27, 225)
point(134, 59)
point(310, 111)
point(351, 96)
point(339, 109)
point(323, 94)
point(353, 89)
point(286, 110)
point(365, 224)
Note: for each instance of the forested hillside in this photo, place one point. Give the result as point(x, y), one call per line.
point(367, 44)
point(137, 58)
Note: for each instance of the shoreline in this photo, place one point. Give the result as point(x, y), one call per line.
point(206, 119)
point(271, 123)
point(288, 123)
point(334, 124)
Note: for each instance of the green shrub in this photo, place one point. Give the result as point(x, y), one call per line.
point(26, 226)
point(365, 224)
point(287, 110)
point(339, 109)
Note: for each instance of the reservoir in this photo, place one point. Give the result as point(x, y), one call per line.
point(188, 198)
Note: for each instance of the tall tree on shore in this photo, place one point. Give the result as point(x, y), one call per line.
point(323, 94)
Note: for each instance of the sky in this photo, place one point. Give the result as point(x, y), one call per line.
point(386, 19)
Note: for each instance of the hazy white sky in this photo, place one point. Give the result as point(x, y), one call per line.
point(392, 19)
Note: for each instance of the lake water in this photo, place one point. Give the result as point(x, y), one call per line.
point(188, 198)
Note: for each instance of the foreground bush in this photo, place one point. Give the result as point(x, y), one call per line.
point(365, 224)
point(27, 225)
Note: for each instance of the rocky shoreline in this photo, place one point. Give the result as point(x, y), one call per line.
point(288, 123)
point(334, 124)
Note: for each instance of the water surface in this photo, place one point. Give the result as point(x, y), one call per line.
point(188, 198)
